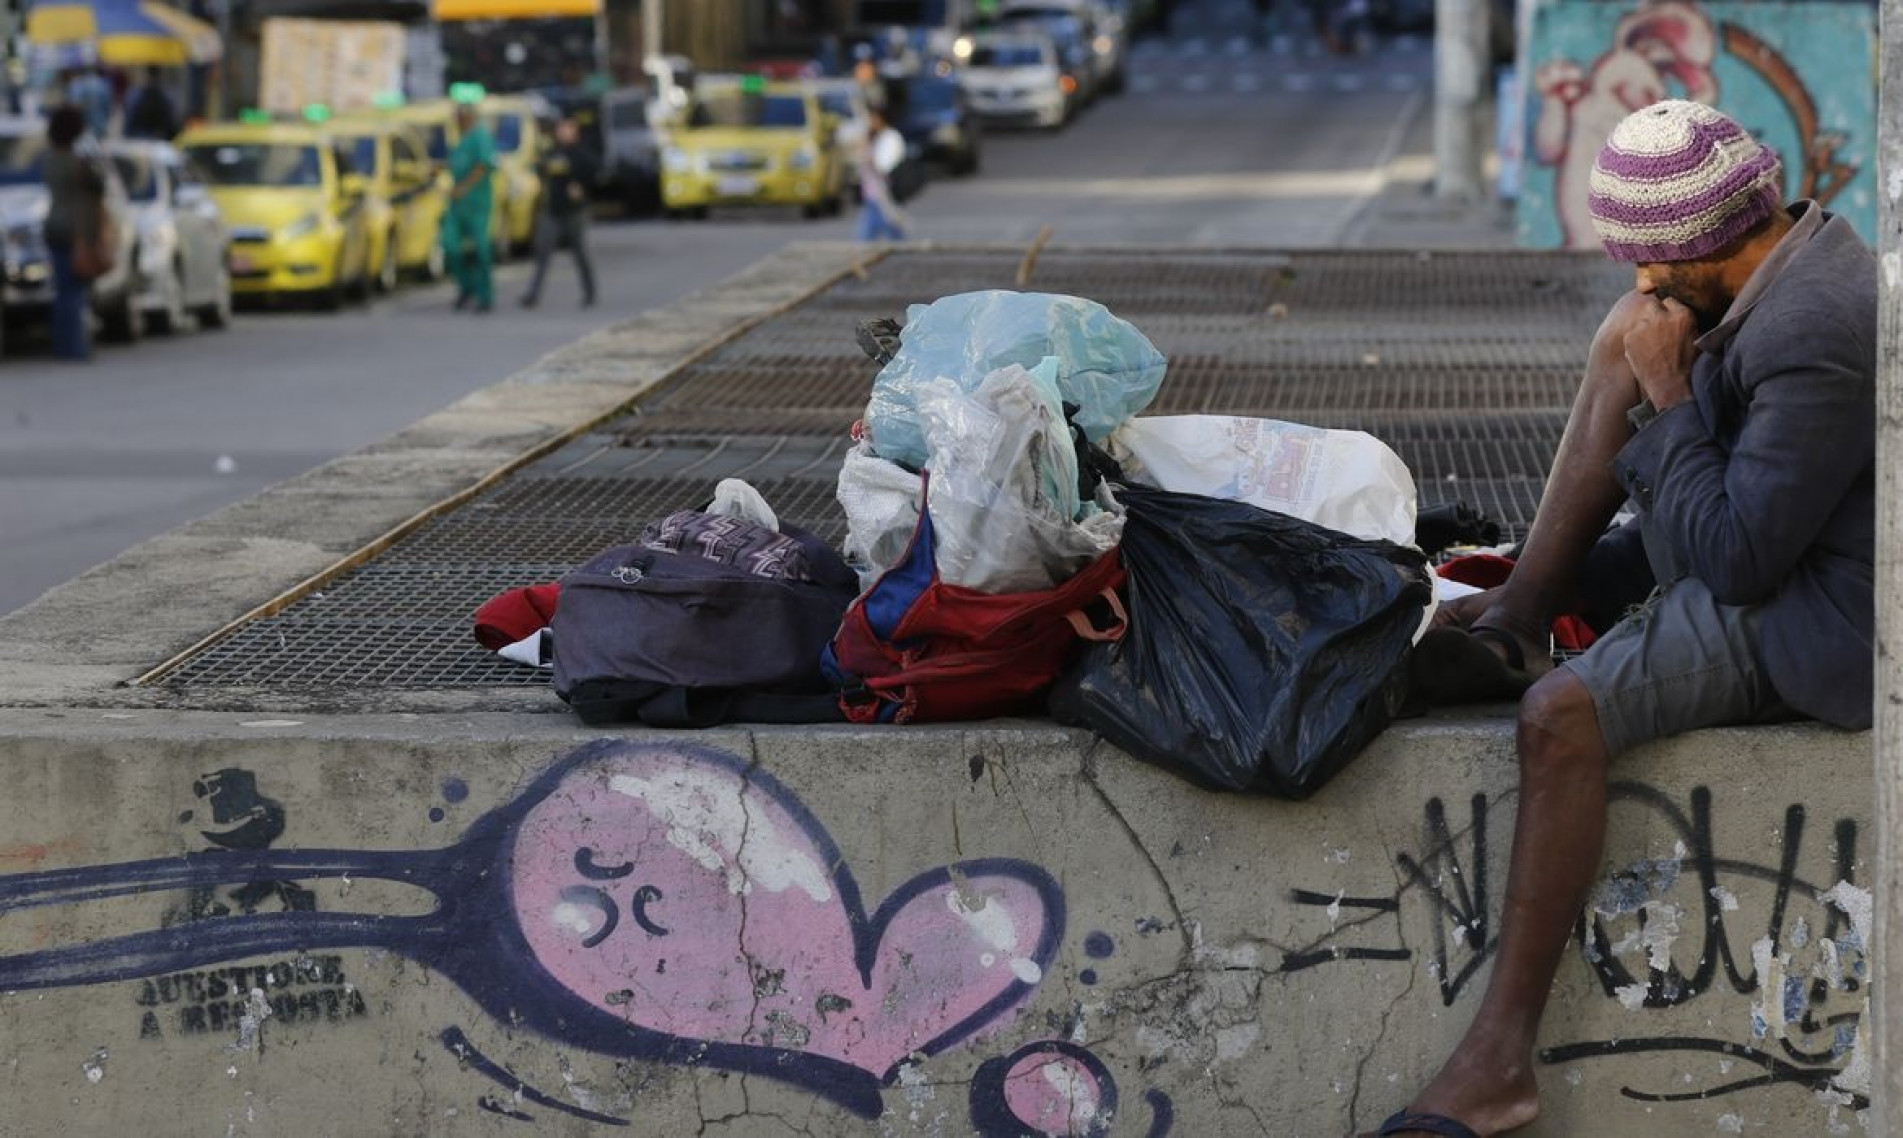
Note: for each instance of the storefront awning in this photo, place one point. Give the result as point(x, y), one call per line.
point(123, 33)
point(514, 9)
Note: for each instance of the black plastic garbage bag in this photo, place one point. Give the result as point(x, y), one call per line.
point(1263, 652)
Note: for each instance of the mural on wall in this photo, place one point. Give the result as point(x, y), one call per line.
point(661, 902)
point(1661, 933)
point(1799, 76)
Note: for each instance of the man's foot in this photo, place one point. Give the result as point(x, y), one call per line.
point(1486, 1096)
point(483, 308)
point(464, 300)
point(588, 302)
point(530, 302)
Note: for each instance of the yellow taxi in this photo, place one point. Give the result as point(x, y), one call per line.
point(513, 119)
point(408, 196)
point(752, 142)
point(435, 121)
point(298, 217)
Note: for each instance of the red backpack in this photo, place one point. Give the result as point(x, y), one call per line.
point(916, 650)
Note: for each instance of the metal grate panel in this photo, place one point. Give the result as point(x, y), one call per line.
point(1464, 363)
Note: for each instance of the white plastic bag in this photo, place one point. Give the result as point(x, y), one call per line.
point(1005, 510)
point(1345, 480)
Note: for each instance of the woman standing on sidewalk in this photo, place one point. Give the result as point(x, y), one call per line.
point(76, 193)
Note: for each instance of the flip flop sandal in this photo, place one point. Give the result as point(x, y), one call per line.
point(1425, 1122)
point(1455, 665)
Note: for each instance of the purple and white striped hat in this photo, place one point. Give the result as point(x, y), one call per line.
point(1678, 181)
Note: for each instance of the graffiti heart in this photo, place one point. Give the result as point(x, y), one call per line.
point(655, 901)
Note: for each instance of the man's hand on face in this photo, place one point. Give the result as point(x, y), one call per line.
point(1659, 347)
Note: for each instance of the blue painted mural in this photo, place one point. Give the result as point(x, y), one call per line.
point(1802, 77)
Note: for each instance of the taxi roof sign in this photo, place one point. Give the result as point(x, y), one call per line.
point(387, 100)
point(753, 84)
point(317, 113)
point(252, 116)
point(466, 93)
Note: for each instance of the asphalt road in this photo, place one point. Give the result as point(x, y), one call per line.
point(1221, 140)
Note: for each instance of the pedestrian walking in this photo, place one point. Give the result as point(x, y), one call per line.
point(75, 219)
point(567, 171)
point(90, 91)
point(465, 232)
point(880, 218)
point(149, 112)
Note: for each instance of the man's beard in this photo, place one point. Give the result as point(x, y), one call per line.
point(1707, 311)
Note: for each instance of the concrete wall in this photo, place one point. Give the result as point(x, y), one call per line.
point(392, 925)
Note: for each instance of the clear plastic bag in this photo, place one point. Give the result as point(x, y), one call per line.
point(1105, 367)
point(1005, 504)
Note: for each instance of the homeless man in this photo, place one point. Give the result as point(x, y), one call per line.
point(1730, 397)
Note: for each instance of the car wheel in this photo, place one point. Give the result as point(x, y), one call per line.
point(171, 318)
point(331, 297)
point(124, 323)
point(968, 165)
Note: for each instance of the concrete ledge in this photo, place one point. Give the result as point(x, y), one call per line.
point(1233, 965)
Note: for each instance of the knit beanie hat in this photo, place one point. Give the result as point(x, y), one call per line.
point(1678, 181)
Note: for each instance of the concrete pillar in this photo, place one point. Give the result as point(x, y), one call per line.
point(1887, 1069)
point(1460, 92)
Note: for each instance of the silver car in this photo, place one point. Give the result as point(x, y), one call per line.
point(183, 243)
point(28, 271)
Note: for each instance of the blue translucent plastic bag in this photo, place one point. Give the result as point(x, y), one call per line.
point(1104, 365)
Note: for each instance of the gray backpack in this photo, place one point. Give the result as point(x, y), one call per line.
point(705, 620)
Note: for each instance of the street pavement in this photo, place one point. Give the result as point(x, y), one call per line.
point(1222, 140)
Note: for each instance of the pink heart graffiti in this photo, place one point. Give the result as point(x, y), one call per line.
point(671, 888)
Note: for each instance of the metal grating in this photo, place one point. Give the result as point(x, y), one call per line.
point(1464, 363)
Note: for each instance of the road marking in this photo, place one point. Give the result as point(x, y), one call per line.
point(1403, 82)
point(1196, 83)
point(1347, 82)
point(1238, 45)
point(1298, 82)
point(1246, 82)
point(1143, 84)
point(1195, 47)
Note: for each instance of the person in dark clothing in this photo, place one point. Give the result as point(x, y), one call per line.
point(1731, 397)
point(149, 113)
point(75, 195)
point(567, 172)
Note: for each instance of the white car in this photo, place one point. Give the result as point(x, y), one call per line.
point(1014, 78)
point(28, 273)
point(183, 242)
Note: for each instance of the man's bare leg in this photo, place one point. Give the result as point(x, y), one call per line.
point(1558, 839)
point(1580, 500)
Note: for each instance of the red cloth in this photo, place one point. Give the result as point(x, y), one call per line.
point(1489, 570)
point(515, 615)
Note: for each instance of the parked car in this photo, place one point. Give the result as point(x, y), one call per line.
point(631, 165)
point(28, 292)
point(406, 201)
point(183, 243)
point(749, 142)
point(1072, 30)
point(517, 123)
point(298, 218)
point(935, 117)
point(1015, 78)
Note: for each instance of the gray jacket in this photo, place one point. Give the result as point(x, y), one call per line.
point(1766, 480)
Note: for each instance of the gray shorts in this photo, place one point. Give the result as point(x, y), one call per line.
point(1679, 662)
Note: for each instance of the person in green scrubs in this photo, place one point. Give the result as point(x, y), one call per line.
point(471, 202)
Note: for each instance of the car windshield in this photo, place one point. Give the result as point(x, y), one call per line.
point(363, 154)
point(436, 141)
point(509, 133)
point(142, 184)
point(837, 102)
point(931, 96)
point(1007, 55)
point(728, 109)
point(259, 164)
point(22, 160)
